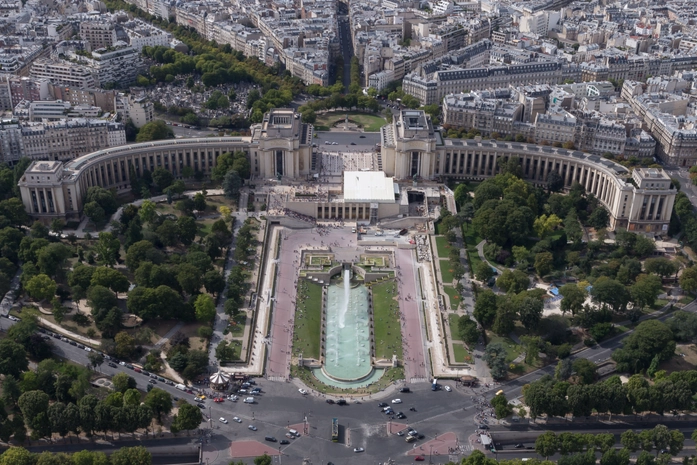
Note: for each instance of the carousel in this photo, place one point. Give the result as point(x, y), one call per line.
point(219, 381)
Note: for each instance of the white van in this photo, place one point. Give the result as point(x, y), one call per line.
point(249, 400)
point(181, 387)
point(293, 432)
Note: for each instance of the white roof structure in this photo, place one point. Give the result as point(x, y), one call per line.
point(368, 186)
point(219, 378)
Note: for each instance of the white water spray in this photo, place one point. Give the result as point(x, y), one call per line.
point(347, 295)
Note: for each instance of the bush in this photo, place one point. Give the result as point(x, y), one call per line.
point(600, 331)
point(589, 342)
point(564, 350)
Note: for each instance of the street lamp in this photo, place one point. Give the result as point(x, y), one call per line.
point(430, 454)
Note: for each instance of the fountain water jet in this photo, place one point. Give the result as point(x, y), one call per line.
point(347, 356)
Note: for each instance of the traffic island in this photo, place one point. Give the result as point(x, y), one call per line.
point(242, 449)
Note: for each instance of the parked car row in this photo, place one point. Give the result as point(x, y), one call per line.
point(111, 361)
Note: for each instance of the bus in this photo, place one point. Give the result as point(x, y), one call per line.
point(335, 430)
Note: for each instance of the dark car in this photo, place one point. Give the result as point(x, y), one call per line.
point(483, 427)
point(200, 405)
point(520, 446)
point(420, 436)
point(145, 373)
point(284, 441)
point(341, 402)
point(361, 137)
point(112, 364)
point(329, 401)
point(382, 405)
point(72, 343)
point(129, 366)
point(401, 416)
point(405, 389)
point(270, 439)
point(152, 381)
point(353, 143)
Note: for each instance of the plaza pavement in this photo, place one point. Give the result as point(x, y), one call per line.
point(291, 244)
point(415, 369)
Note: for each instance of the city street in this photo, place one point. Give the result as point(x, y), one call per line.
point(362, 425)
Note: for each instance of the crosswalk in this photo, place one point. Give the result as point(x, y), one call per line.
point(276, 378)
point(419, 380)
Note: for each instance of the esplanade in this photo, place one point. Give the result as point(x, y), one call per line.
point(281, 147)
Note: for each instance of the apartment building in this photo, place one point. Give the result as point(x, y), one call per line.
point(99, 33)
point(65, 140)
point(482, 111)
point(11, 143)
point(28, 89)
point(432, 90)
point(138, 109)
point(116, 65)
point(64, 73)
point(103, 99)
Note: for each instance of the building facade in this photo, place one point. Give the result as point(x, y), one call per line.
point(281, 147)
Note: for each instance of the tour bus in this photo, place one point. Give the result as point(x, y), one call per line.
point(335, 430)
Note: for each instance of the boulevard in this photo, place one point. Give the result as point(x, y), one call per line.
point(362, 425)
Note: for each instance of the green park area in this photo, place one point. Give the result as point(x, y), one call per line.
point(308, 320)
point(388, 332)
point(539, 245)
point(443, 247)
point(453, 295)
point(367, 121)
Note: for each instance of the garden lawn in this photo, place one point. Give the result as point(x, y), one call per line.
point(471, 241)
point(240, 321)
point(388, 333)
point(460, 353)
point(453, 295)
point(446, 272)
point(443, 247)
point(454, 319)
point(659, 304)
point(368, 121)
point(308, 320)
point(512, 349)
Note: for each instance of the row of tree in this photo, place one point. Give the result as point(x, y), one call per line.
point(558, 397)
point(660, 438)
point(125, 456)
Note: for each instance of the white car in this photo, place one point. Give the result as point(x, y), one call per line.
point(236, 420)
point(222, 420)
point(302, 391)
point(447, 388)
point(358, 449)
point(396, 401)
point(252, 427)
